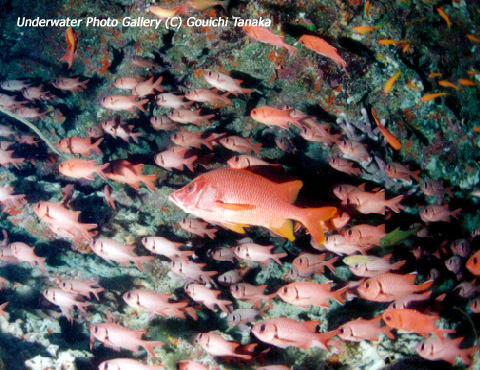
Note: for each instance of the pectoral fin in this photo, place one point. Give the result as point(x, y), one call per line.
point(236, 207)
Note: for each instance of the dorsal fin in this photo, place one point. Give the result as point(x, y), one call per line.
point(291, 189)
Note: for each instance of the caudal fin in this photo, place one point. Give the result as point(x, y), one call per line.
point(149, 181)
point(149, 346)
point(311, 219)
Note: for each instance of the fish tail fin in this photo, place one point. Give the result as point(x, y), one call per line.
point(139, 260)
point(454, 213)
point(190, 161)
point(139, 104)
point(211, 233)
point(150, 345)
point(394, 204)
point(322, 339)
point(397, 265)
point(256, 148)
point(156, 85)
point(224, 98)
point(415, 174)
point(68, 57)
point(388, 332)
point(191, 312)
point(149, 181)
point(2, 312)
point(246, 91)
point(466, 354)
point(95, 146)
point(224, 305)
point(311, 220)
point(276, 257)
point(338, 295)
point(329, 264)
point(100, 171)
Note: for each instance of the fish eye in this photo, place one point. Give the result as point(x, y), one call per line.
point(424, 185)
point(388, 317)
point(46, 292)
point(95, 329)
point(367, 285)
point(64, 284)
point(475, 260)
point(236, 288)
point(342, 331)
point(106, 366)
point(422, 347)
point(209, 74)
point(285, 290)
point(388, 167)
point(236, 158)
point(262, 328)
point(348, 200)
point(425, 211)
point(200, 336)
point(350, 232)
point(190, 187)
point(129, 295)
point(475, 303)
point(174, 136)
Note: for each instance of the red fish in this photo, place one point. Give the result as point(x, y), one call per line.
point(436, 213)
point(217, 346)
point(125, 172)
point(322, 47)
point(158, 304)
point(78, 145)
point(263, 34)
point(65, 300)
point(276, 117)
point(387, 287)
point(224, 82)
point(197, 227)
point(72, 46)
point(305, 294)
point(123, 102)
point(361, 329)
point(70, 84)
point(445, 349)
point(413, 321)
point(473, 264)
point(284, 332)
point(209, 298)
point(251, 293)
point(82, 169)
point(239, 198)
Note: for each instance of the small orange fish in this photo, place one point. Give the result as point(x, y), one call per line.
point(72, 46)
point(271, 116)
point(305, 294)
point(362, 30)
point(322, 47)
point(466, 82)
point(413, 321)
point(473, 72)
point(217, 346)
point(390, 82)
point(392, 140)
point(473, 38)
point(386, 42)
point(411, 85)
point(197, 227)
point(125, 172)
point(367, 8)
point(448, 84)
point(431, 96)
point(434, 74)
point(444, 16)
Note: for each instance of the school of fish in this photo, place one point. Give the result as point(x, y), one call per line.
point(247, 214)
